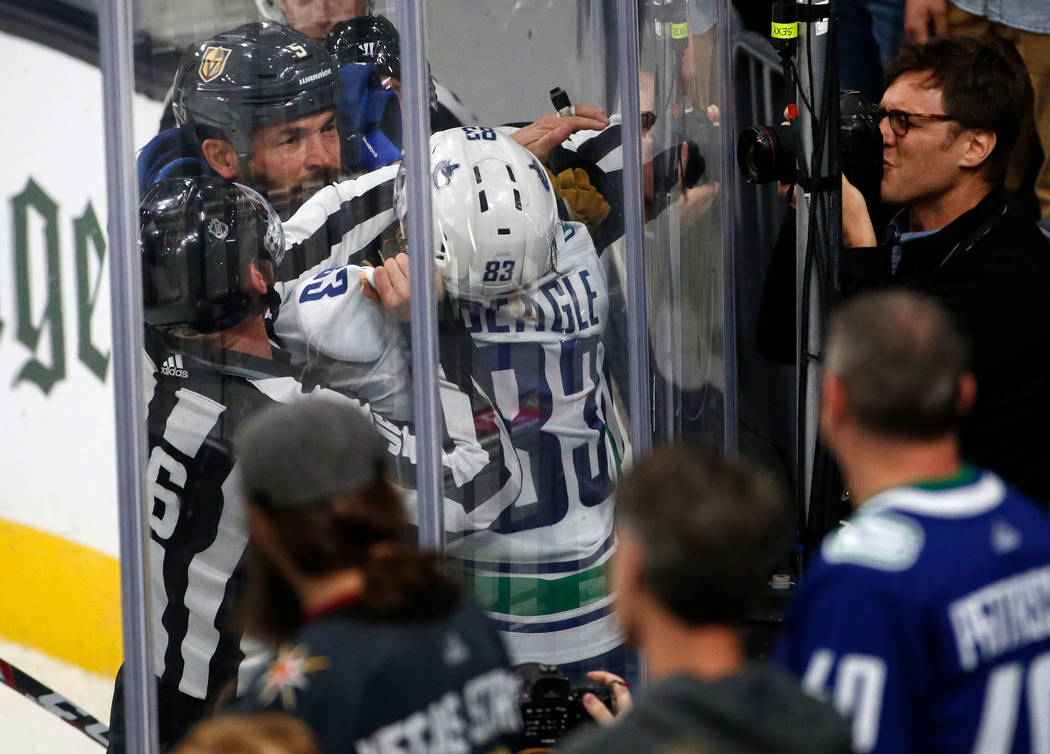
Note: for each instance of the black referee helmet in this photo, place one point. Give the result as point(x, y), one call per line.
point(198, 237)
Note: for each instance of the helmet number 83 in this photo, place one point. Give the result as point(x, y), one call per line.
point(494, 273)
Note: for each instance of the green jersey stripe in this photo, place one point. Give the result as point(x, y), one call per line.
point(528, 596)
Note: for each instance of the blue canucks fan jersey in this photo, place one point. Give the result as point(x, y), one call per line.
point(926, 620)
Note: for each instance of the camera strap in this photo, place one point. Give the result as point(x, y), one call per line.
point(974, 238)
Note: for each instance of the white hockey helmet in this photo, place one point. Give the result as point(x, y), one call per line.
point(495, 214)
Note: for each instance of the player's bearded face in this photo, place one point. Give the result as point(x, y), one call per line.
point(292, 160)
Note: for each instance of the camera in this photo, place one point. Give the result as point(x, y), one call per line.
point(770, 153)
point(551, 705)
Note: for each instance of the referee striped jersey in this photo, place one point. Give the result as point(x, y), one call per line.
point(198, 530)
point(198, 398)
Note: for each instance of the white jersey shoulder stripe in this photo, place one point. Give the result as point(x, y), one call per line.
point(974, 499)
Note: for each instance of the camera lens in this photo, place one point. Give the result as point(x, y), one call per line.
point(767, 153)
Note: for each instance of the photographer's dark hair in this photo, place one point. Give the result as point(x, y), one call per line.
point(985, 85)
point(712, 528)
point(900, 359)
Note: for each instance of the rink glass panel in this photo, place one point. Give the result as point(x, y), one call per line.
point(531, 533)
point(58, 515)
point(331, 342)
point(685, 249)
point(537, 552)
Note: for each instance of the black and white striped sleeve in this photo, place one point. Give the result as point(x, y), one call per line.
point(339, 222)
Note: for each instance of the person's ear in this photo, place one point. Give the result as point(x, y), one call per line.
point(221, 156)
point(967, 394)
point(979, 146)
point(256, 283)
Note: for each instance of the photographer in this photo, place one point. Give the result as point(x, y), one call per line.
point(697, 534)
point(379, 649)
point(952, 109)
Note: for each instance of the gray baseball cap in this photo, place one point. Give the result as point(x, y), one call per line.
point(298, 454)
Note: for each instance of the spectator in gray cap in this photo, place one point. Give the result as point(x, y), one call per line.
point(378, 645)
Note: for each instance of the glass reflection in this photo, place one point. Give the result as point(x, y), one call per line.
point(243, 311)
point(683, 232)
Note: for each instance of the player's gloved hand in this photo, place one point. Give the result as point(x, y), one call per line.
point(586, 202)
point(621, 698)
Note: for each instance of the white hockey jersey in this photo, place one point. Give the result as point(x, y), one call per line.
point(537, 550)
point(326, 322)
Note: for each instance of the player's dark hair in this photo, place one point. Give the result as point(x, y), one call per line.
point(985, 85)
point(712, 529)
point(900, 360)
point(364, 530)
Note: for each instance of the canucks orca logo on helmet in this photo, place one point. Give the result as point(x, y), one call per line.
point(444, 169)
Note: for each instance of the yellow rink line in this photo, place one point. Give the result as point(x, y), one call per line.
point(60, 597)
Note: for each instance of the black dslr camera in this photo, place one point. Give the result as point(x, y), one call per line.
point(770, 153)
point(551, 705)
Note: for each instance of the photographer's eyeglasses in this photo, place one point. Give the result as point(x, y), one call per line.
point(900, 120)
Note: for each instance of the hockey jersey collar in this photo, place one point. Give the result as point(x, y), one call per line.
point(981, 495)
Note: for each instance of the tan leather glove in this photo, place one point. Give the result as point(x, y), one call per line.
point(586, 202)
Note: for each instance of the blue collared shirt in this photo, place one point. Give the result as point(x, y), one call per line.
point(898, 238)
point(1029, 15)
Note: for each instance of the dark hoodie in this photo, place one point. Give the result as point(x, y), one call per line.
point(760, 710)
point(990, 268)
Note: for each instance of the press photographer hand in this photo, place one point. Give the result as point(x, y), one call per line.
point(857, 230)
point(622, 702)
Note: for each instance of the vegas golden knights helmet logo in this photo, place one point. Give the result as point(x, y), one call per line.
point(212, 62)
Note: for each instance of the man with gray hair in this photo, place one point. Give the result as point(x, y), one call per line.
point(926, 618)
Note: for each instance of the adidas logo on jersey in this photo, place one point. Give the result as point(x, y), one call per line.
point(172, 367)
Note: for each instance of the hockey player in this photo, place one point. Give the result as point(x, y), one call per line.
point(926, 618)
point(374, 42)
point(260, 100)
point(258, 104)
point(209, 250)
point(530, 293)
